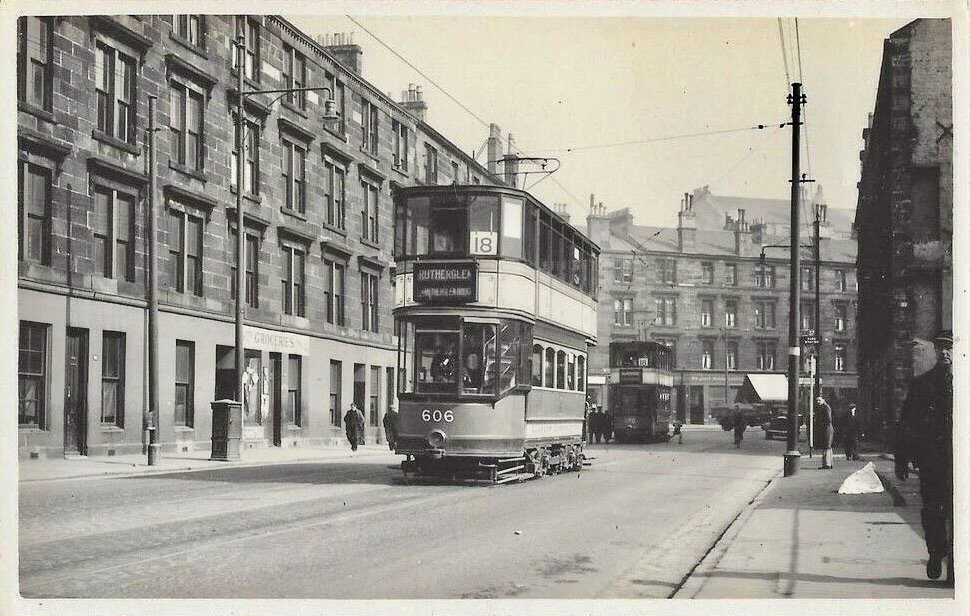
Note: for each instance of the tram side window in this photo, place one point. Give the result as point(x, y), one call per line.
point(561, 370)
point(550, 368)
point(478, 358)
point(571, 372)
point(509, 355)
point(529, 238)
point(581, 373)
point(483, 225)
point(436, 361)
point(512, 227)
point(537, 365)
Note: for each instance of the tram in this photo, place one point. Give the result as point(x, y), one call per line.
point(494, 310)
point(641, 379)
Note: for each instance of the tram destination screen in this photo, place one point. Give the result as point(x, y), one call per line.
point(445, 283)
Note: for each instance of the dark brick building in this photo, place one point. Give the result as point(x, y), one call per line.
point(904, 217)
point(701, 289)
point(317, 209)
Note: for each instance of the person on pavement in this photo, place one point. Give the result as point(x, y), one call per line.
point(826, 431)
point(739, 423)
point(925, 436)
point(677, 431)
point(850, 433)
point(354, 426)
point(390, 426)
point(596, 425)
point(607, 426)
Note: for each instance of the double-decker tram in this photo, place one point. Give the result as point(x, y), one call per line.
point(641, 379)
point(494, 309)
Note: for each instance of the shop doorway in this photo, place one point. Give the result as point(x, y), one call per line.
point(276, 397)
point(697, 405)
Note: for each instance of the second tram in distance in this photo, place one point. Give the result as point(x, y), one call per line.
point(495, 309)
point(641, 379)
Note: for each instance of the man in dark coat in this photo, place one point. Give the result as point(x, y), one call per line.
point(390, 427)
point(826, 430)
point(596, 424)
point(354, 425)
point(850, 433)
point(607, 426)
point(925, 436)
point(739, 424)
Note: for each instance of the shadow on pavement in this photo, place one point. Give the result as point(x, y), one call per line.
point(320, 473)
point(826, 579)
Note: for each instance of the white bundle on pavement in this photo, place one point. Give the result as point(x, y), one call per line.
point(863, 481)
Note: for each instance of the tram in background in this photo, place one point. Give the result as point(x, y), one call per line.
point(494, 311)
point(641, 380)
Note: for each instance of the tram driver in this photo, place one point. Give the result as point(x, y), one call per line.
point(444, 365)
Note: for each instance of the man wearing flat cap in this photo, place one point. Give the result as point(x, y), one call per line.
point(926, 437)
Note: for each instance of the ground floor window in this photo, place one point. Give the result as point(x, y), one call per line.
point(113, 379)
point(335, 378)
point(375, 393)
point(184, 383)
point(294, 378)
point(32, 375)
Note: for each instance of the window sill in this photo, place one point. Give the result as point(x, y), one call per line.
point(184, 42)
point(294, 108)
point(34, 110)
point(293, 213)
point(189, 171)
point(340, 135)
point(32, 429)
point(97, 135)
point(367, 242)
point(341, 232)
point(369, 154)
point(184, 429)
point(402, 171)
point(111, 428)
point(253, 198)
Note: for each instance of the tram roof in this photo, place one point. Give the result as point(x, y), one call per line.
point(486, 188)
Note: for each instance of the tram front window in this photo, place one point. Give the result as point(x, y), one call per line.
point(478, 362)
point(437, 361)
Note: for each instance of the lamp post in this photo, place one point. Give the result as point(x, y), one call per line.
point(329, 114)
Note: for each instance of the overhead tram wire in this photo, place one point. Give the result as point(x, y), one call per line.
point(808, 214)
point(784, 53)
point(751, 152)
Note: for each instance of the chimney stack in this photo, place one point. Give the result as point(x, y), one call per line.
point(511, 164)
point(686, 225)
point(494, 147)
point(742, 236)
point(414, 103)
point(345, 51)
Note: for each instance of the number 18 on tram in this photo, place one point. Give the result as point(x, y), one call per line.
point(495, 310)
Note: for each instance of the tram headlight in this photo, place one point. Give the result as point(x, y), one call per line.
point(436, 439)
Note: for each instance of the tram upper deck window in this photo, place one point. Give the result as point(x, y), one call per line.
point(448, 226)
point(483, 222)
point(512, 227)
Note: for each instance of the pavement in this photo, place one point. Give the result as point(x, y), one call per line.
point(798, 538)
point(801, 539)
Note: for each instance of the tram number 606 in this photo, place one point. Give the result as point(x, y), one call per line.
point(437, 415)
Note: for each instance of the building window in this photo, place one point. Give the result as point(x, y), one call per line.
point(731, 354)
point(190, 28)
point(184, 383)
point(34, 52)
point(400, 145)
point(333, 292)
point(764, 276)
point(454, 172)
point(623, 270)
point(368, 301)
point(34, 192)
point(336, 369)
point(369, 117)
point(251, 159)
point(807, 316)
point(294, 177)
point(841, 317)
point(730, 313)
point(731, 274)
point(334, 194)
point(840, 282)
point(707, 273)
point(294, 380)
point(368, 215)
point(807, 281)
point(252, 268)
point(766, 354)
point(764, 314)
point(186, 124)
point(667, 271)
point(295, 76)
point(32, 376)
point(115, 88)
point(337, 88)
point(375, 389)
point(249, 30)
point(294, 289)
point(185, 252)
point(840, 357)
point(113, 379)
point(666, 311)
point(623, 311)
point(672, 345)
point(707, 312)
point(707, 354)
point(430, 164)
point(114, 234)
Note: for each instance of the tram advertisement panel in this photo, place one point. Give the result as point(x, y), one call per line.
point(446, 283)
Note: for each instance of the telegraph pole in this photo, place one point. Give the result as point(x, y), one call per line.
point(154, 445)
point(792, 456)
point(817, 384)
point(240, 355)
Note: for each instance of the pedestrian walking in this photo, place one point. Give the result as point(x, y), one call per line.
point(850, 433)
point(826, 431)
point(596, 424)
point(390, 426)
point(925, 436)
point(737, 420)
point(607, 426)
point(354, 426)
point(587, 411)
point(677, 431)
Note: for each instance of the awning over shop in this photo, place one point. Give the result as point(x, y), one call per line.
point(763, 388)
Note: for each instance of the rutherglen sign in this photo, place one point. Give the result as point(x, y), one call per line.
point(446, 283)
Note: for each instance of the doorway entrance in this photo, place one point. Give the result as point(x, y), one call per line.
point(76, 392)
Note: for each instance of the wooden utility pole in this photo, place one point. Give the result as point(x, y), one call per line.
point(154, 444)
point(792, 456)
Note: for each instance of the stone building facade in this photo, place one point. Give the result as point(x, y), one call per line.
point(904, 217)
point(318, 222)
point(702, 289)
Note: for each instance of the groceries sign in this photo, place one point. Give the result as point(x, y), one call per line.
point(445, 283)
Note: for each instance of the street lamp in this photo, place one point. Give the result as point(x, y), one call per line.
point(329, 114)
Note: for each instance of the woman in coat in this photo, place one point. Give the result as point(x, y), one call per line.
point(826, 431)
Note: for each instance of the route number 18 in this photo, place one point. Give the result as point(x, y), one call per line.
point(483, 242)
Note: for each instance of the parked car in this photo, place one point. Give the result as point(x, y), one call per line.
point(778, 426)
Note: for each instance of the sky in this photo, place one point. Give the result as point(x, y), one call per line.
point(582, 88)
